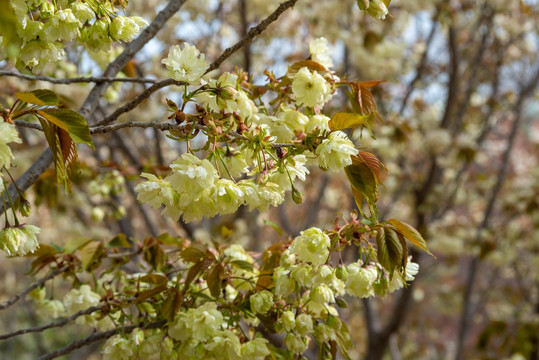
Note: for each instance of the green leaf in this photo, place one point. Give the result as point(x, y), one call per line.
point(193, 253)
point(362, 181)
point(154, 279)
point(274, 226)
point(91, 253)
point(39, 97)
point(389, 250)
point(70, 121)
point(74, 244)
point(342, 120)
point(119, 241)
point(410, 234)
point(149, 293)
point(244, 265)
point(343, 340)
point(214, 280)
point(64, 152)
point(173, 301)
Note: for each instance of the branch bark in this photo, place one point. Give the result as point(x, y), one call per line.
point(89, 105)
point(468, 306)
point(35, 285)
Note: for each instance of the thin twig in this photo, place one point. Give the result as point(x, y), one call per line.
point(89, 79)
point(97, 337)
point(53, 324)
point(35, 285)
point(248, 38)
point(163, 126)
point(45, 160)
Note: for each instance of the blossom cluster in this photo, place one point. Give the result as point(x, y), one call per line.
point(92, 24)
point(16, 240)
point(253, 174)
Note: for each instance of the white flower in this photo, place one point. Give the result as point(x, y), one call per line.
point(304, 324)
point(223, 95)
point(311, 246)
point(255, 349)
point(61, 26)
point(97, 36)
point(82, 11)
point(19, 240)
point(80, 299)
point(51, 309)
point(320, 52)
point(319, 298)
point(118, 348)
point(225, 345)
point(297, 344)
point(227, 196)
point(198, 323)
point(360, 280)
point(186, 64)
point(335, 151)
point(261, 302)
point(318, 121)
point(126, 28)
point(310, 89)
point(155, 192)
point(8, 133)
point(192, 175)
point(150, 349)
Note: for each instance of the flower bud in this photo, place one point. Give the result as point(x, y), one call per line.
point(25, 208)
point(97, 214)
point(377, 9)
point(296, 196)
point(363, 4)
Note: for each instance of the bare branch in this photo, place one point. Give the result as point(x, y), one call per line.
point(35, 285)
point(247, 39)
point(45, 160)
point(252, 33)
point(90, 79)
point(131, 49)
point(97, 337)
point(466, 315)
point(53, 324)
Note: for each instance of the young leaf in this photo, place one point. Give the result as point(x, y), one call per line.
point(362, 181)
point(70, 121)
point(411, 234)
point(90, 253)
point(389, 250)
point(76, 243)
point(193, 253)
point(214, 279)
point(154, 279)
point(342, 120)
point(39, 97)
point(173, 301)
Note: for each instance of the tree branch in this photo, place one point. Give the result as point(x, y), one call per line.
point(466, 315)
point(35, 285)
point(248, 38)
point(90, 79)
point(97, 337)
point(45, 160)
point(53, 324)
